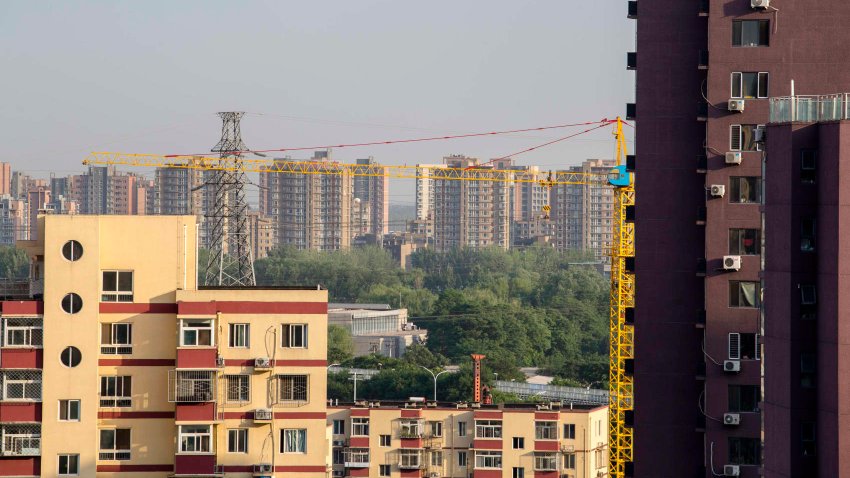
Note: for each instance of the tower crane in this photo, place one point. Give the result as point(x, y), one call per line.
point(622, 295)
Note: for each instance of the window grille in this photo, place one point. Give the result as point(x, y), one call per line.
point(191, 386)
point(292, 390)
point(20, 439)
point(22, 332)
point(20, 385)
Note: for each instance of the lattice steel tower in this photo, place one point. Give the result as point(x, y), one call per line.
point(230, 262)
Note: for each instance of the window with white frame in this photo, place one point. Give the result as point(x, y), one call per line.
point(21, 385)
point(117, 286)
point(436, 429)
point(69, 464)
point(116, 391)
point(116, 339)
point(488, 459)
point(293, 440)
point(237, 336)
point(238, 388)
point(339, 427)
point(292, 388)
point(745, 137)
point(69, 410)
point(384, 440)
point(237, 440)
point(196, 333)
point(409, 459)
point(545, 461)
point(409, 428)
point(436, 458)
point(545, 430)
point(195, 438)
point(20, 439)
point(749, 84)
point(569, 431)
point(488, 429)
point(192, 385)
point(384, 470)
point(294, 336)
point(358, 456)
point(359, 427)
point(744, 346)
point(22, 332)
point(114, 444)
point(569, 461)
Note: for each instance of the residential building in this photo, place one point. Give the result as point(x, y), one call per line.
point(425, 190)
point(38, 201)
point(162, 378)
point(13, 220)
point(704, 73)
point(311, 211)
point(262, 232)
point(179, 191)
point(5, 179)
point(376, 328)
point(435, 439)
point(402, 244)
point(373, 192)
point(530, 219)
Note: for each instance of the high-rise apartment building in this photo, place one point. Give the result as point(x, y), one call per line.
point(471, 214)
point(529, 199)
point(425, 190)
point(310, 211)
point(5, 179)
point(179, 191)
point(38, 201)
point(582, 214)
point(737, 370)
point(262, 232)
point(13, 220)
point(374, 195)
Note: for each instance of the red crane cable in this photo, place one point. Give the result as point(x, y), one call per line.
point(603, 122)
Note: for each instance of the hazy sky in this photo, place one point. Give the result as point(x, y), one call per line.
point(148, 76)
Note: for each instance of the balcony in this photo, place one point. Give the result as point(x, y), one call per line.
point(810, 109)
point(191, 386)
point(20, 440)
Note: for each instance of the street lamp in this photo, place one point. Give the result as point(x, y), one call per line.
point(435, 378)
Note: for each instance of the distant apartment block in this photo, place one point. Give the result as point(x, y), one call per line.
point(13, 220)
point(373, 193)
point(262, 232)
point(376, 328)
point(5, 179)
point(311, 211)
point(582, 214)
point(425, 190)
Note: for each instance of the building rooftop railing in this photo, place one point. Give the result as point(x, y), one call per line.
point(810, 108)
point(578, 395)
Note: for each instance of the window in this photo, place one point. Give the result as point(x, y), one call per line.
point(808, 294)
point(22, 332)
point(293, 440)
point(72, 303)
point(569, 461)
point(808, 165)
point(409, 429)
point(196, 333)
point(545, 430)
point(69, 410)
point(360, 427)
point(808, 233)
point(744, 346)
point(384, 470)
point(518, 472)
point(488, 459)
point(744, 242)
point(116, 339)
point(408, 459)
point(518, 443)
point(461, 429)
point(72, 251)
point(237, 440)
point(749, 85)
point(70, 357)
point(436, 458)
point(69, 465)
point(238, 335)
point(744, 451)
point(745, 137)
point(339, 427)
point(238, 388)
point(600, 457)
point(338, 456)
point(358, 456)
point(294, 336)
point(461, 458)
point(114, 444)
point(545, 461)
point(750, 33)
point(195, 439)
point(569, 431)
point(808, 437)
point(117, 286)
point(21, 385)
point(744, 294)
point(745, 189)
point(488, 429)
point(192, 385)
point(384, 440)
point(436, 429)
point(292, 388)
point(115, 391)
point(744, 398)
point(808, 369)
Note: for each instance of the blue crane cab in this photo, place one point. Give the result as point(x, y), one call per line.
point(619, 177)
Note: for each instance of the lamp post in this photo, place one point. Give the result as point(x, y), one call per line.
point(435, 378)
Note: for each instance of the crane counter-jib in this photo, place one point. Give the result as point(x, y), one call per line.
point(285, 166)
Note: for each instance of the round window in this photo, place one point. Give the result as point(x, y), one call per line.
point(72, 303)
point(72, 250)
point(71, 357)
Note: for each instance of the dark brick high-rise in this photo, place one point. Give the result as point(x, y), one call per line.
point(792, 392)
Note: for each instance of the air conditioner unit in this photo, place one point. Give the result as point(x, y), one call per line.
point(718, 190)
point(339, 473)
point(733, 157)
point(219, 362)
point(731, 263)
point(263, 468)
point(434, 474)
point(339, 443)
point(262, 362)
point(736, 105)
point(731, 365)
point(568, 448)
point(759, 3)
point(732, 419)
point(732, 470)
point(262, 415)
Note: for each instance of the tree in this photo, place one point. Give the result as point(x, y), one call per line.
point(419, 355)
point(340, 344)
point(14, 263)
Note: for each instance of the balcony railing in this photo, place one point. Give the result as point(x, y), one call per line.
point(810, 109)
point(20, 440)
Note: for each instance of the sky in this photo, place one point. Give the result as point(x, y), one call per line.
point(149, 76)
